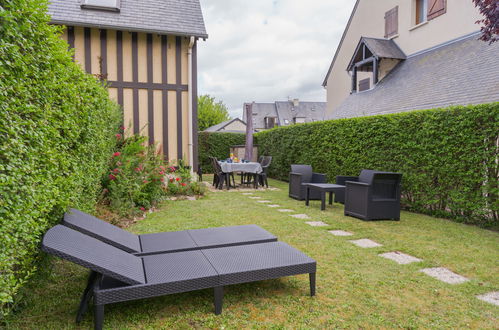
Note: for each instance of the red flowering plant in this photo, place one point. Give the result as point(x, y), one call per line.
point(135, 180)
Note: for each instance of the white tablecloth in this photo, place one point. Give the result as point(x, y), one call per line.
point(251, 167)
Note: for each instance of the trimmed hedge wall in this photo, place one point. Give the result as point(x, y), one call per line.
point(216, 145)
point(57, 127)
point(448, 157)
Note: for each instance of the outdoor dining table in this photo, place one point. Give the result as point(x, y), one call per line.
point(251, 167)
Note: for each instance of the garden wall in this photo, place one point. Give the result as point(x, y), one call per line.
point(448, 157)
point(216, 145)
point(57, 129)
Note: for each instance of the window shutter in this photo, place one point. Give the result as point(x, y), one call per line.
point(391, 22)
point(364, 84)
point(436, 8)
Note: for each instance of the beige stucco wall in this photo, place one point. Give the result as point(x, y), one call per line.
point(235, 126)
point(368, 21)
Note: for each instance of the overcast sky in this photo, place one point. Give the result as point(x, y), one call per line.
point(268, 50)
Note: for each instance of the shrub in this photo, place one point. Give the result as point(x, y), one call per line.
point(448, 157)
point(216, 145)
point(57, 127)
point(135, 178)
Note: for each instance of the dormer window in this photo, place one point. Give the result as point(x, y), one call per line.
point(369, 56)
point(108, 5)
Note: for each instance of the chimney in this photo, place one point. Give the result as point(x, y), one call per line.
point(296, 102)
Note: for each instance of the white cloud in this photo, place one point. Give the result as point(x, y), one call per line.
point(268, 50)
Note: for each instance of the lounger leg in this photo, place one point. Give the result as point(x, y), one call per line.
point(312, 284)
point(323, 200)
point(85, 298)
point(219, 296)
point(98, 317)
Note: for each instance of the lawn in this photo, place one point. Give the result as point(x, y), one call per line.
point(355, 287)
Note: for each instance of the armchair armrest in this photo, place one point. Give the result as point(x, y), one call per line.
point(341, 179)
point(355, 183)
point(319, 178)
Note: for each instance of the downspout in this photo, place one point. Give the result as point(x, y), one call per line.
point(189, 91)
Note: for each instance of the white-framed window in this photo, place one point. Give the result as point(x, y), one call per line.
point(110, 5)
point(421, 10)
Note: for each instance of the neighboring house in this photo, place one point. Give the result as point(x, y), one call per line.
point(401, 55)
point(284, 113)
point(235, 125)
point(147, 52)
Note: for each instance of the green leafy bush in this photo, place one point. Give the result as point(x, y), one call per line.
point(216, 145)
point(57, 129)
point(135, 178)
point(448, 157)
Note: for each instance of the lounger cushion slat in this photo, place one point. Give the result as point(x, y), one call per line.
point(228, 236)
point(248, 263)
point(101, 230)
point(180, 266)
point(93, 254)
point(167, 242)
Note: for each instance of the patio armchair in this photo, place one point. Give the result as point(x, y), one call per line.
point(118, 276)
point(301, 174)
point(220, 177)
point(262, 177)
point(374, 196)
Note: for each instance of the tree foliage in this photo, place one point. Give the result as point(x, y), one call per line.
point(490, 10)
point(211, 112)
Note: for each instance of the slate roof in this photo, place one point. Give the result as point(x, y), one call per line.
point(219, 127)
point(175, 17)
point(384, 48)
point(285, 110)
point(461, 72)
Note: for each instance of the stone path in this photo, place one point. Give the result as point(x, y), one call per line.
point(491, 297)
point(444, 275)
point(285, 210)
point(316, 223)
point(400, 258)
point(365, 243)
point(300, 216)
point(255, 197)
point(340, 233)
point(274, 205)
point(247, 194)
point(264, 201)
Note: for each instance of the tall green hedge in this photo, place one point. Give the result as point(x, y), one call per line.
point(448, 157)
point(216, 145)
point(57, 128)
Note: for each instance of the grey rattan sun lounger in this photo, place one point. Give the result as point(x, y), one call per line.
point(121, 276)
point(164, 242)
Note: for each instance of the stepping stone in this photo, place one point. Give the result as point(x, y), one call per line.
point(285, 210)
point(491, 297)
point(263, 201)
point(255, 197)
point(316, 223)
point(444, 275)
point(365, 243)
point(247, 194)
point(340, 233)
point(300, 216)
point(400, 258)
point(274, 205)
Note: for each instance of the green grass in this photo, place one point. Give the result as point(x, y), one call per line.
point(355, 287)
